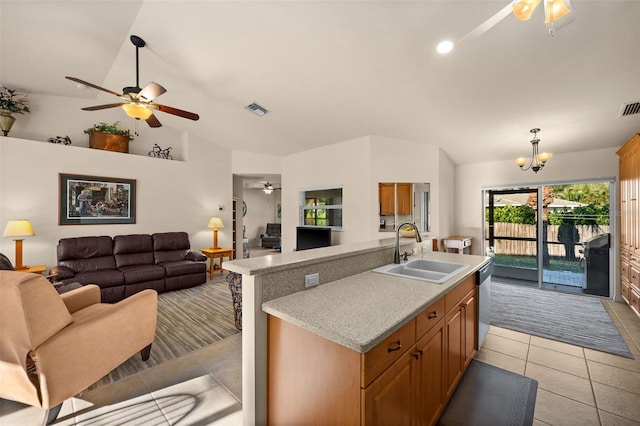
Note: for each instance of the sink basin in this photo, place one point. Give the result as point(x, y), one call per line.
point(425, 270)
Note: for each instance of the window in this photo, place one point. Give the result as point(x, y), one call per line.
point(321, 207)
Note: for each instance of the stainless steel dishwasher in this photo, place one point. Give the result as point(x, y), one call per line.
point(483, 281)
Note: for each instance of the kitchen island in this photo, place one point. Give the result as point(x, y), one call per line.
point(354, 314)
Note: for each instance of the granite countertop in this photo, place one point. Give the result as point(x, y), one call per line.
point(360, 311)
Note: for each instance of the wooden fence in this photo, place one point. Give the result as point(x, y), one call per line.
point(528, 248)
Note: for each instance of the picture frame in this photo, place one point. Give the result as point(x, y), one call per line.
point(96, 200)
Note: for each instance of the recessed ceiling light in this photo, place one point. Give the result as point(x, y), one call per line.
point(444, 47)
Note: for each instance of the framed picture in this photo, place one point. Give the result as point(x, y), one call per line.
point(93, 200)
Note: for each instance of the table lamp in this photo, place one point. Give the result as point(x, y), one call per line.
point(18, 228)
point(215, 223)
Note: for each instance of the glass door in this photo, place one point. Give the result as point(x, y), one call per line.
point(568, 250)
point(511, 233)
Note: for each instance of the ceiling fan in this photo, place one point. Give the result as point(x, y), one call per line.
point(554, 10)
point(269, 188)
point(138, 102)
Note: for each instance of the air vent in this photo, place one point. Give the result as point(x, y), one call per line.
point(630, 109)
point(256, 109)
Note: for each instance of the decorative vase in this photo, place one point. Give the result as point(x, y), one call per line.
point(109, 142)
point(6, 122)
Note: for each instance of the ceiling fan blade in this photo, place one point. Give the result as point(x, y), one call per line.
point(86, 83)
point(153, 121)
point(152, 91)
point(488, 24)
point(176, 111)
point(99, 107)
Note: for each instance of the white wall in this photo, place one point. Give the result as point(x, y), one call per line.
point(471, 178)
point(171, 195)
point(359, 165)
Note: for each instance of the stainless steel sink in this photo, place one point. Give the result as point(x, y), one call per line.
point(425, 270)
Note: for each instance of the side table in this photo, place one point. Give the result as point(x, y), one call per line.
point(35, 269)
point(216, 253)
point(460, 244)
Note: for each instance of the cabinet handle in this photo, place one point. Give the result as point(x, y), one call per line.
point(397, 348)
point(415, 355)
point(432, 315)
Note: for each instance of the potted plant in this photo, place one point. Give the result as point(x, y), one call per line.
point(11, 103)
point(109, 137)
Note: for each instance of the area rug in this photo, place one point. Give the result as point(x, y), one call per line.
point(488, 395)
point(569, 318)
point(188, 320)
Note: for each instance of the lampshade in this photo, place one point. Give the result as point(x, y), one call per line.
point(215, 223)
point(135, 110)
point(555, 9)
point(543, 157)
point(521, 161)
point(523, 9)
point(18, 228)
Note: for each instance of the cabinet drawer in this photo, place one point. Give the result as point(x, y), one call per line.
point(454, 296)
point(625, 292)
point(635, 301)
point(625, 270)
point(429, 317)
point(634, 277)
point(386, 352)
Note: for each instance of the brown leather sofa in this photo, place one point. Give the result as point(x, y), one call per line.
point(126, 264)
point(54, 346)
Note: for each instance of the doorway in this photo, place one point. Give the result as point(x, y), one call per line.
point(562, 243)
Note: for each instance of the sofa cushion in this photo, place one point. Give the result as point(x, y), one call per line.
point(170, 246)
point(183, 267)
point(85, 254)
point(103, 278)
point(136, 249)
point(140, 273)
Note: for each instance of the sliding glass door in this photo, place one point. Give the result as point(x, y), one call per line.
point(562, 242)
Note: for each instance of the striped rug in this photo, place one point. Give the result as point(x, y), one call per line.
point(569, 318)
point(188, 320)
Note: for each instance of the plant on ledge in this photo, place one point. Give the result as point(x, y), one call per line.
point(113, 129)
point(13, 102)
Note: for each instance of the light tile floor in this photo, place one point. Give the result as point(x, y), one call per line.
point(576, 386)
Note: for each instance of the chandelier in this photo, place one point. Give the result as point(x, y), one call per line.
point(537, 161)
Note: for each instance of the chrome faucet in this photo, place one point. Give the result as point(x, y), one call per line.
point(396, 255)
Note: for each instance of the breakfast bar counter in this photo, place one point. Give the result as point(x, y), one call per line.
point(359, 311)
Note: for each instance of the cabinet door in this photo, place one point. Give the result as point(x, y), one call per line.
point(470, 326)
point(390, 399)
point(430, 379)
point(454, 348)
point(405, 195)
point(387, 199)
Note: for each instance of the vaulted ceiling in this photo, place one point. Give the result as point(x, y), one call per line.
point(330, 71)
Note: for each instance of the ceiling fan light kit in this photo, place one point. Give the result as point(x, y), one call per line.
point(537, 160)
point(553, 9)
point(136, 102)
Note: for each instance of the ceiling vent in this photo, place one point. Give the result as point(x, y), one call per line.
point(630, 109)
point(256, 109)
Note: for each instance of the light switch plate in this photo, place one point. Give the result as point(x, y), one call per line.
point(311, 280)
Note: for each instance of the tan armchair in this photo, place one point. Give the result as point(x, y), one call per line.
point(54, 346)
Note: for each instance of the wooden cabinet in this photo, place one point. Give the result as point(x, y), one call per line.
point(406, 379)
point(387, 197)
point(629, 156)
point(405, 198)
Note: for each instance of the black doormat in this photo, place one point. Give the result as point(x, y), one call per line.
point(491, 396)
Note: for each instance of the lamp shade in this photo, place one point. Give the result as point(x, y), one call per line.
point(523, 9)
point(543, 157)
point(137, 111)
point(18, 228)
point(521, 161)
point(215, 223)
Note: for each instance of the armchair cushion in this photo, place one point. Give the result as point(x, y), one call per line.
point(82, 297)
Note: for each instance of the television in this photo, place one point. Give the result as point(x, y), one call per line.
point(311, 237)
